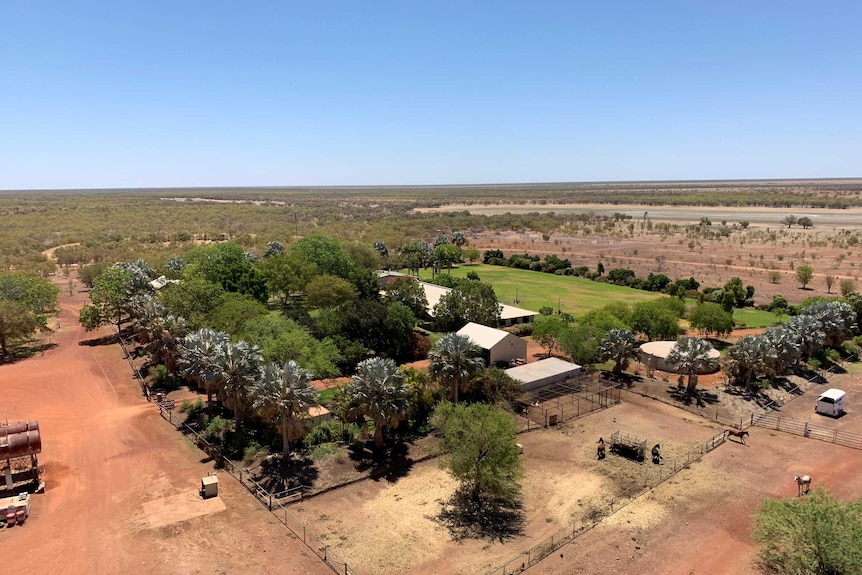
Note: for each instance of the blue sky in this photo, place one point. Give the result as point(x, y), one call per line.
point(151, 94)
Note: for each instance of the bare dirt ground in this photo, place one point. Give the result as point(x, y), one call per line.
point(697, 522)
point(750, 254)
point(121, 484)
point(703, 517)
point(393, 526)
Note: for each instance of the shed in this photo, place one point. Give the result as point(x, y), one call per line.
point(543, 372)
point(209, 486)
point(317, 414)
point(496, 344)
point(509, 314)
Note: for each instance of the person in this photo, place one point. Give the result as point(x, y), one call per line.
point(600, 451)
point(656, 454)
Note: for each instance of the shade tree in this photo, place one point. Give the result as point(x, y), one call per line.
point(469, 301)
point(408, 291)
point(287, 275)
point(710, 318)
point(109, 299)
point(483, 455)
point(814, 535)
point(26, 302)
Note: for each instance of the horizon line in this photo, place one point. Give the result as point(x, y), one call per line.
point(421, 186)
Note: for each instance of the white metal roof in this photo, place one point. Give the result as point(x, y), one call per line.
point(542, 369)
point(833, 393)
point(433, 293)
point(484, 336)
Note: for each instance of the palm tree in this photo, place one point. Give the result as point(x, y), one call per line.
point(145, 312)
point(198, 359)
point(237, 368)
point(454, 360)
point(750, 357)
point(807, 333)
point(690, 355)
point(165, 337)
point(284, 393)
point(621, 346)
point(786, 352)
point(836, 319)
point(377, 391)
point(459, 239)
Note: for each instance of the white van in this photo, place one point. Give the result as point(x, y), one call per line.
point(830, 402)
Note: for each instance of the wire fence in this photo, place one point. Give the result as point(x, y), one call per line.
point(807, 429)
point(145, 389)
point(564, 401)
point(273, 501)
point(593, 517)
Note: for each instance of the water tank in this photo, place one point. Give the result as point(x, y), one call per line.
point(18, 427)
point(20, 440)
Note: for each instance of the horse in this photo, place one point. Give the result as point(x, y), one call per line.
point(656, 454)
point(803, 484)
point(738, 433)
point(600, 450)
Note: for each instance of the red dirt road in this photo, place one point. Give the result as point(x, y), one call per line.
point(121, 484)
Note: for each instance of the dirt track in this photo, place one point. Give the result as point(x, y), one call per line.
point(121, 484)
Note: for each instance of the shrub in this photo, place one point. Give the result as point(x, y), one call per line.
point(521, 329)
point(251, 451)
point(420, 345)
point(192, 407)
point(217, 427)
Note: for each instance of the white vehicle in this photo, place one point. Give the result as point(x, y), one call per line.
point(830, 402)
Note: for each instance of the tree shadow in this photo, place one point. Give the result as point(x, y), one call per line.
point(785, 384)
point(808, 374)
point(25, 351)
point(627, 379)
point(699, 397)
point(278, 475)
point(719, 344)
point(487, 518)
point(390, 462)
point(105, 340)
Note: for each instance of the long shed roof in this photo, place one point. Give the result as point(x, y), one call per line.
point(542, 369)
point(484, 336)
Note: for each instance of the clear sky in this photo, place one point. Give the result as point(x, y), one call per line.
point(185, 93)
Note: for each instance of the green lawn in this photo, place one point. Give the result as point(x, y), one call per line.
point(327, 395)
point(757, 318)
point(536, 289)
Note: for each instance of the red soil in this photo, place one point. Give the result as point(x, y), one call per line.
point(121, 483)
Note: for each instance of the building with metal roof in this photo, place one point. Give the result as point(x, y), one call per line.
point(543, 372)
point(496, 345)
